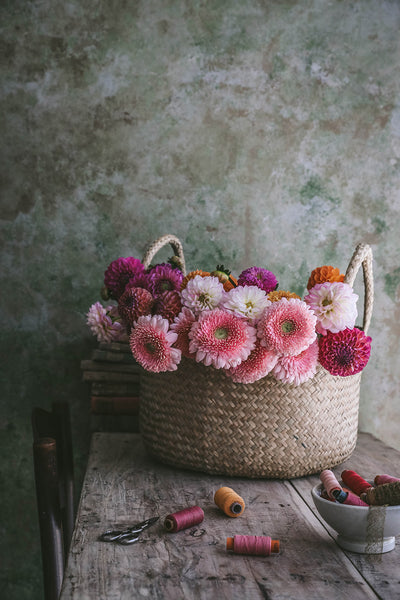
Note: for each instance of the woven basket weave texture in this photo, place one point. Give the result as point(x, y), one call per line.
point(198, 418)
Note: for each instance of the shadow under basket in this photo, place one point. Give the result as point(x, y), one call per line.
point(198, 418)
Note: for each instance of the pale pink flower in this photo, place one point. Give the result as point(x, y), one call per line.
point(297, 369)
point(105, 323)
point(181, 326)
point(221, 339)
point(202, 293)
point(334, 304)
point(287, 327)
point(151, 344)
point(246, 301)
point(258, 364)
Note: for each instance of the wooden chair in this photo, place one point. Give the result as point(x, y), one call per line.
point(54, 479)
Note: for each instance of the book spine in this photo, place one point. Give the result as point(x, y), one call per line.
point(114, 405)
point(107, 388)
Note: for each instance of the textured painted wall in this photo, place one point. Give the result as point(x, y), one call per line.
point(259, 132)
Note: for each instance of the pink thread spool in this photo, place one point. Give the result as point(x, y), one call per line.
point(355, 482)
point(257, 545)
point(382, 479)
point(330, 482)
point(188, 517)
point(348, 498)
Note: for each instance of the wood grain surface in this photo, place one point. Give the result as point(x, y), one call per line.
point(123, 485)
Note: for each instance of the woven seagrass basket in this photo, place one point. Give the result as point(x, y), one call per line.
point(199, 419)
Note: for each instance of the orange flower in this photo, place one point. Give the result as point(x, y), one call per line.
point(279, 294)
point(191, 275)
point(323, 274)
point(228, 285)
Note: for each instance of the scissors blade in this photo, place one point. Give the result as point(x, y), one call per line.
point(139, 527)
point(129, 535)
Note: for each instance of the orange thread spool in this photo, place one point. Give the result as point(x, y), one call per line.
point(229, 501)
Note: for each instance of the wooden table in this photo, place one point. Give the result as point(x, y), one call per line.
point(123, 485)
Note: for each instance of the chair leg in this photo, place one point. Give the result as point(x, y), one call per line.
point(51, 536)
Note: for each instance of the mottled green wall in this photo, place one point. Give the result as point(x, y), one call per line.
point(259, 132)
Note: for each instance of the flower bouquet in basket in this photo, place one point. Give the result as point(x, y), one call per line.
point(241, 377)
point(246, 326)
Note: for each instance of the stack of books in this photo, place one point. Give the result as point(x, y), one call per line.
point(114, 379)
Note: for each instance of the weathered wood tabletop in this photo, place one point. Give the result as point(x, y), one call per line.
point(123, 485)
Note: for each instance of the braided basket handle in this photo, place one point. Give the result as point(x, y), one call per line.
point(158, 244)
point(363, 256)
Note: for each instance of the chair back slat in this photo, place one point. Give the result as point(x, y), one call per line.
point(54, 479)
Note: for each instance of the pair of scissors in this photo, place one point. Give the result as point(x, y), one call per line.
point(127, 536)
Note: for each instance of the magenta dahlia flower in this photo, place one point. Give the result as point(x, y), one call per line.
point(221, 339)
point(164, 278)
point(287, 327)
point(151, 344)
point(168, 305)
point(334, 304)
point(260, 277)
point(105, 323)
point(297, 369)
point(119, 272)
point(134, 303)
point(346, 352)
point(258, 364)
point(181, 326)
point(139, 280)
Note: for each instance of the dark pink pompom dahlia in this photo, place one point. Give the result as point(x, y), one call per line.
point(344, 353)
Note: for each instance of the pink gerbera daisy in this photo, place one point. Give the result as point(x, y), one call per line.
point(287, 327)
point(151, 344)
point(259, 363)
point(119, 272)
point(182, 325)
point(297, 369)
point(221, 339)
point(346, 352)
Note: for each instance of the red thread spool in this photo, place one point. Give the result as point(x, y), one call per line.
point(382, 479)
point(330, 482)
point(257, 545)
point(355, 482)
point(183, 519)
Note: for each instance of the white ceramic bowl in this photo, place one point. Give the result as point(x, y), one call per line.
point(367, 530)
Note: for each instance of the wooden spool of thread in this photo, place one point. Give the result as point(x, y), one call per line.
point(355, 482)
point(330, 483)
point(387, 493)
point(381, 479)
point(258, 545)
point(229, 501)
point(188, 517)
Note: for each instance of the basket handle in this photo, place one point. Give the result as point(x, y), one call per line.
point(363, 256)
point(155, 246)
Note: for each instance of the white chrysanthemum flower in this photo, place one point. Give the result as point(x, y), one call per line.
point(202, 293)
point(335, 306)
point(246, 301)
